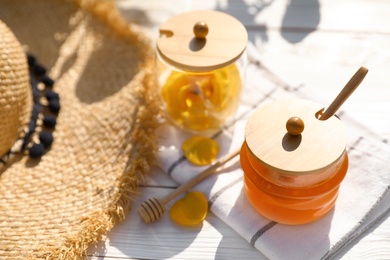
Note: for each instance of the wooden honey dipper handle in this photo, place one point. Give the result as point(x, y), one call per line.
point(152, 209)
point(349, 88)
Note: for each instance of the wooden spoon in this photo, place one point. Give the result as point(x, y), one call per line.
point(349, 88)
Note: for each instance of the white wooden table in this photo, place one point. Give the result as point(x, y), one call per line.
point(316, 43)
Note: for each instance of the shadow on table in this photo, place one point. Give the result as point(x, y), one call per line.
point(300, 19)
point(134, 239)
point(246, 13)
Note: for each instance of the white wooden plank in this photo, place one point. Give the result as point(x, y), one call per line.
point(329, 15)
point(367, 16)
point(374, 245)
point(166, 240)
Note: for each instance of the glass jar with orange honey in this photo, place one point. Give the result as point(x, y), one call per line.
point(200, 68)
point(293, 162)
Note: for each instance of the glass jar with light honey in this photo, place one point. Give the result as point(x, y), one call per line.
point(293, 162)
point(200, 68)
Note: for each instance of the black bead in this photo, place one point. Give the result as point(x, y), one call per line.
point(51, 95)
point(31, 60)
point(39, 70)
point(49, 121)
point(36, 150)
point(46, 138)
point(54, 106)
point(49, 82)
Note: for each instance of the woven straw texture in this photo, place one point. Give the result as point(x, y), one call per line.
point(15, 90)
point(104, 144)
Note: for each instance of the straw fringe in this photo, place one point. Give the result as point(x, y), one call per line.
point(94, 227)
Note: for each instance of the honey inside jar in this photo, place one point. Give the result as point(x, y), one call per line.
point(200, 68)
point(201, 101)
point(291, 199)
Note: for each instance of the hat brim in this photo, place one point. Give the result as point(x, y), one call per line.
point(104, 138)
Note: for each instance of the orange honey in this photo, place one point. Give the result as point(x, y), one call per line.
point(291, 199)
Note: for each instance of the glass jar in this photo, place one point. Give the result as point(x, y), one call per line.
point(200, 101)
point(200, 72)
point(291, 199)
point(293, 177)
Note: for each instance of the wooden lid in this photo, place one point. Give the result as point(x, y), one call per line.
point(321, 143)
point(220, 40)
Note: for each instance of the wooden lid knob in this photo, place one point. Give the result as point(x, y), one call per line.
point(201, 30)
point(295, 125)
point(184, 44)
point(305, 147)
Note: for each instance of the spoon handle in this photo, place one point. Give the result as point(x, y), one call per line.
point(198, 178)
point(349, 88)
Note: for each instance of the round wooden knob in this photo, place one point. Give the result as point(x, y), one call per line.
point(201, 30)
point(295, 126)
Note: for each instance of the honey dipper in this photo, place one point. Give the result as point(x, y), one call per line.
point(152, 209)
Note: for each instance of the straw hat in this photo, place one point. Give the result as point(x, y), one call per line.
point(57, 201)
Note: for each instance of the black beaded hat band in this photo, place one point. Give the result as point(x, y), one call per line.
point(38, 137)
